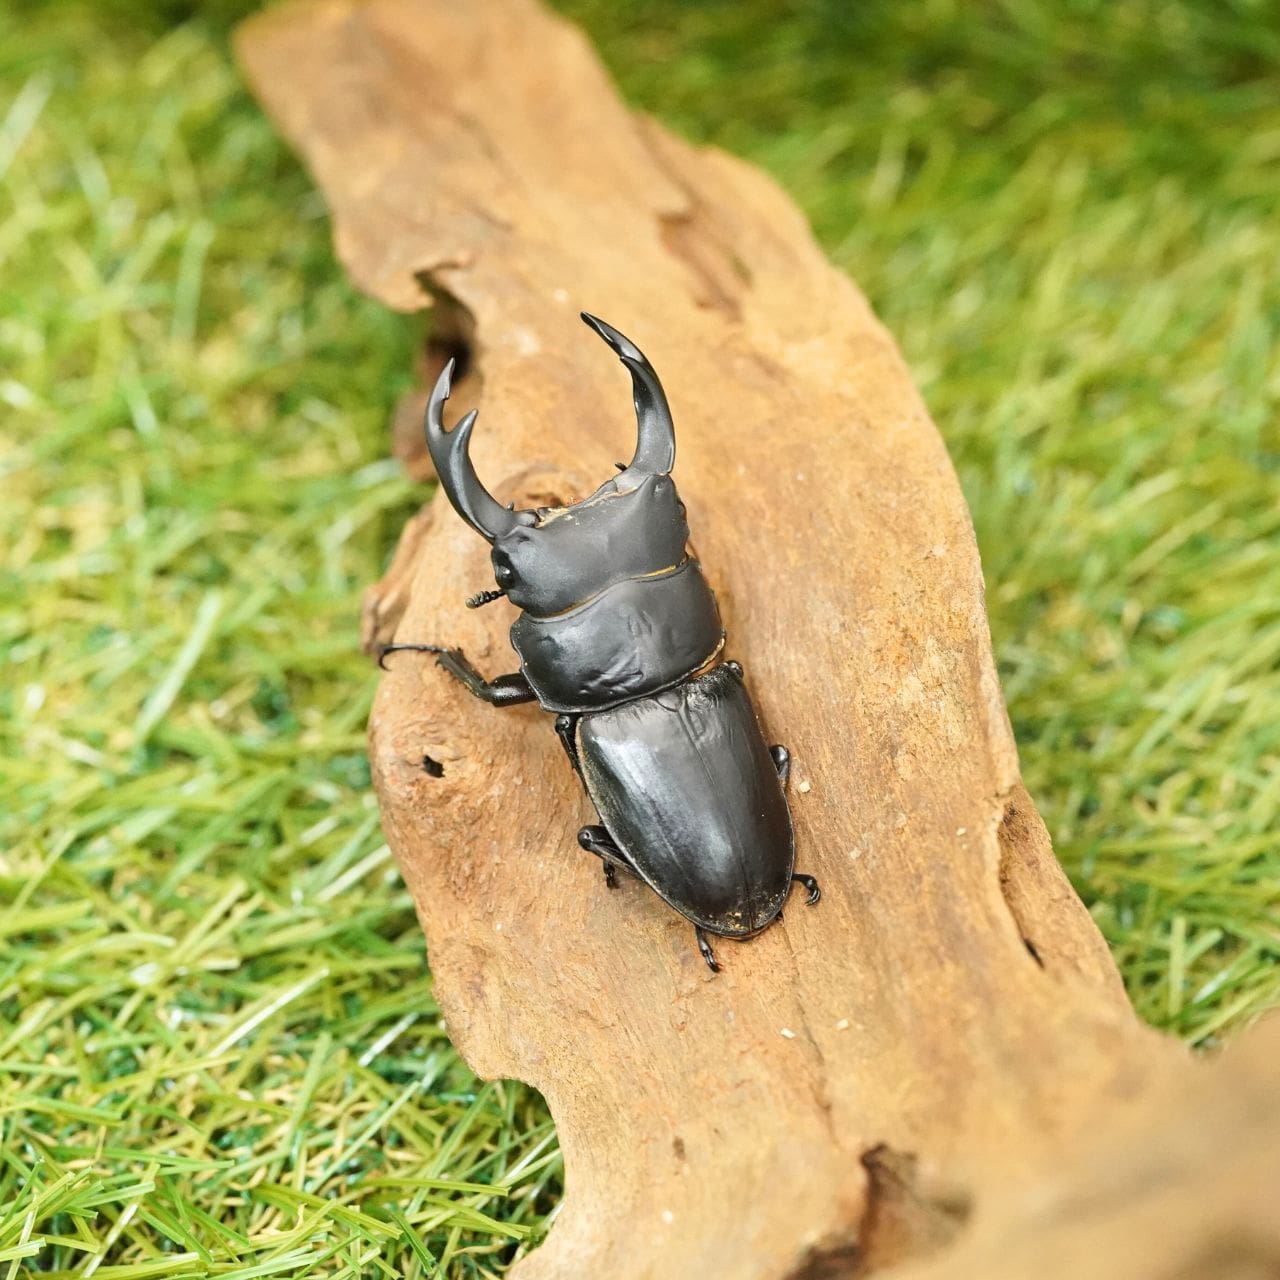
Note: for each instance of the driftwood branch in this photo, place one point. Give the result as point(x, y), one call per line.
point(922, 1049)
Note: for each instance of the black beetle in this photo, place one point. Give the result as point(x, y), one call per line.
point(619, 634)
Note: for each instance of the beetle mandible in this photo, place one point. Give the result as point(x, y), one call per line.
point(620, 636)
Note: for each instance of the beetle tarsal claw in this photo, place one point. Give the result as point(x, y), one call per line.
point(388, 649)
point(811, 885)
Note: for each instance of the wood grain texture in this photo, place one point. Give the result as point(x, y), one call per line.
point(1183, 1184)
point(857, 1078)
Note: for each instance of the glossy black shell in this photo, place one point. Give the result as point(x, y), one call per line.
point(635, 637)
point(684, 782)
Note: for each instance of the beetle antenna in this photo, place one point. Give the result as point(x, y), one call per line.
point(484, 597)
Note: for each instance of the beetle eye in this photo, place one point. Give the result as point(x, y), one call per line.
point(503, 573)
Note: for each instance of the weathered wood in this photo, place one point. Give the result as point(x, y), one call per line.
point(948, 1016)
point(1183, 1184)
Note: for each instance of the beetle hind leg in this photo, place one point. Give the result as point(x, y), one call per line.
point(809, 883)
point(598, 841)
point(781, 762)
point(705, 947)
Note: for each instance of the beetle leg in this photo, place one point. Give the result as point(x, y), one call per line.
point(782, 762)
point(501, 691)
point(398, 648)
point(598, 841)
point(565, 727)
point(705, 947)
point(811, 884)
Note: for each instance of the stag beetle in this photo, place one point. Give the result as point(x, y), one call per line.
point(620, 636)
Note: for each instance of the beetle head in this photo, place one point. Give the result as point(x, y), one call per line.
point(549, 560)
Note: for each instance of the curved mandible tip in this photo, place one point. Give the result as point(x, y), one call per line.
point(655, 453)
point(450, 451)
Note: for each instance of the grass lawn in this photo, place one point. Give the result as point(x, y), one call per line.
point(219, 1054)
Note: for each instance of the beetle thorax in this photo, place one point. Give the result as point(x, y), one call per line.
point(573, 553)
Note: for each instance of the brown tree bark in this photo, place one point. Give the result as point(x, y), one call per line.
point(922, 1048)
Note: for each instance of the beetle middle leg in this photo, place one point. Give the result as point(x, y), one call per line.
point(566, 727)
point(598, 841)
point(781, 762)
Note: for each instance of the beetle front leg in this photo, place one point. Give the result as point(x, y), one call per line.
point(501, 691)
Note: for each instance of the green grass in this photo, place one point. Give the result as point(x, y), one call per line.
point(219, 1054)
